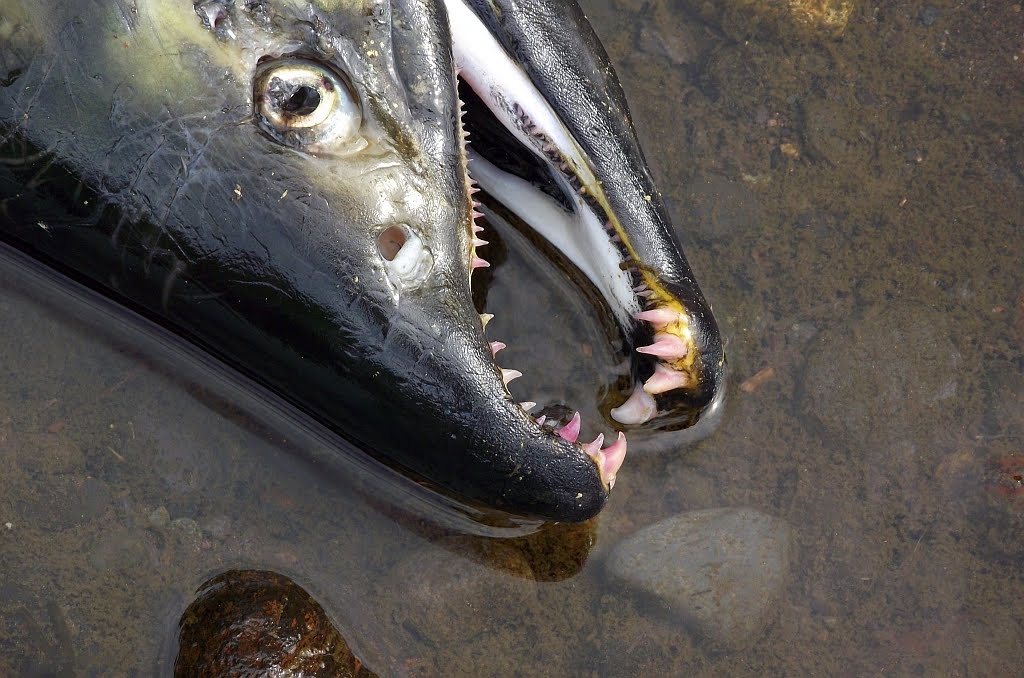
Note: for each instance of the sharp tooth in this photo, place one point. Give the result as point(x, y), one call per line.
point(509, 375)
point(527, 405)
point(613, 455)
point(658, 317)
point(477, 228)
point(479, 263)
point(594, 449)
point(477, 242)
point(665, 379)
point(541, 419)
point(486, 318)
point(496, 346)
point(571, 431)
point(476, 214)
point(665, 346)
point(640, 408)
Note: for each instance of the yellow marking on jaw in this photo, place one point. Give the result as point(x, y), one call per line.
point(662, 298)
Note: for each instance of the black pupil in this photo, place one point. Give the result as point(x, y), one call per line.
point(302, 100)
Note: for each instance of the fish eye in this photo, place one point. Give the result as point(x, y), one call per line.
point(302, 103)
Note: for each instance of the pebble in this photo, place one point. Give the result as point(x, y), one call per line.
point(188, 531)
point(120, 550)
point(61, 502)
point(159, 518)
point(722, 207)
point(717, 572)
point(885, 375)
point(50, 453)
point(928, 15)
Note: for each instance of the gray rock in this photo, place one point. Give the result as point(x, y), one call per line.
point(50, 453)
point(889, 375)
point(61, 502)
point(722, 208)
point(120, 550)
point(438, 591)
point(159, 518)
point(188, 531)
point(718, 572)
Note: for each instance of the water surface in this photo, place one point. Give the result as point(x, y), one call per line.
point(851, 201)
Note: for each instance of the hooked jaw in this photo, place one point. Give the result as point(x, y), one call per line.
point(627, 253)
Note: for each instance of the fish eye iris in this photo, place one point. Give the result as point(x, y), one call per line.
point(302, 103)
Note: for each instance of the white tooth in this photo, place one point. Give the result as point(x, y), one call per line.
point(527, 405)
point(509, 375)
point(639, 408)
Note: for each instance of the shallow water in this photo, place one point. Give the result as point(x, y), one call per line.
point(852, 205)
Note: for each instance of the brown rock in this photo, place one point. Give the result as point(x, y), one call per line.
point(251, 622)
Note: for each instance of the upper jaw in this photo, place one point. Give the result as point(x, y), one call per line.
point(570, 116)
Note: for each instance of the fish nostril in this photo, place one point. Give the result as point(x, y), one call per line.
point(390, 242)
point(406, 257)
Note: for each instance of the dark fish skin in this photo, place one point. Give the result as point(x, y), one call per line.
point(172, 202)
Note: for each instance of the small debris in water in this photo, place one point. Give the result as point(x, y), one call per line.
point(758, 380)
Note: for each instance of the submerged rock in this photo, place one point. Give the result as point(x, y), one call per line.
point(786, 19)
point(258, 623)
point(718, 572)
point(891, 374)
point(455, 602)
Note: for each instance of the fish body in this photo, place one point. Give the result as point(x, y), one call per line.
point(286, 184)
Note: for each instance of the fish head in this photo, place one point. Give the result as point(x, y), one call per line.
point(287, 183)
point(352, 109)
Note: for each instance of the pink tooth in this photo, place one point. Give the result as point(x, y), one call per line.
point(474, 189)
point(665, 346)
point(509, 375)
point(476, 214)
point(665, 379)
point(639, 408)
point(477, 228)
point(496, 346)
point(593, 449)
point(658, 317)
point(614, 454)
point(541, 419)
point(571, 431)
point(480, 263)
point(477, 242)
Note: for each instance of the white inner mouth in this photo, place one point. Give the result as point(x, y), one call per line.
point(511, 96)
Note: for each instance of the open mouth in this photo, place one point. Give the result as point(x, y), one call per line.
point(525, 158)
